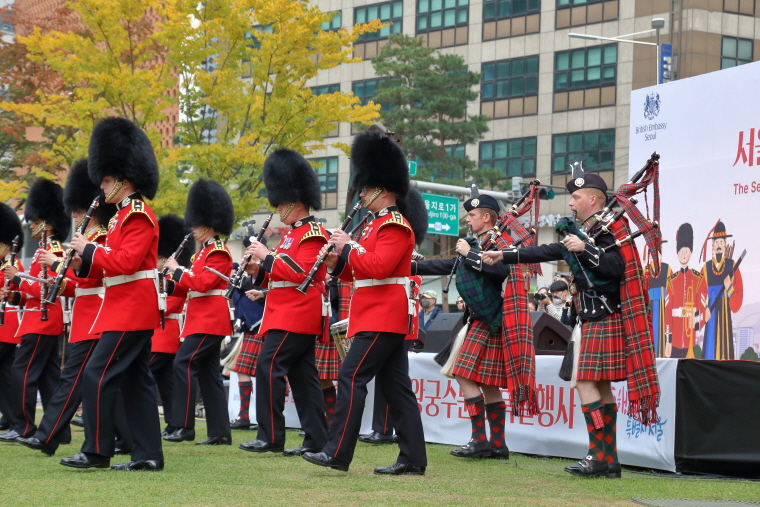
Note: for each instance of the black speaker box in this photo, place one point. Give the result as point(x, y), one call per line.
point(444, 328)
point(550, 337)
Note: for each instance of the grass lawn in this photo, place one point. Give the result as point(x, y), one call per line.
point(229, 477)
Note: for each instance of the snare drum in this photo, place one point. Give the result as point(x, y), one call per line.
point(339, 332)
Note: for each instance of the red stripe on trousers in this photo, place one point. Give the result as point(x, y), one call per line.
point(189, 383)
point(97, 405)
point(351, 401)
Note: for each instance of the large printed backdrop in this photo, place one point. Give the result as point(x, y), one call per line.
point(707, 131)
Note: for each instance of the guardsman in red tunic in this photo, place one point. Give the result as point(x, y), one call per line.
point(10, 228)
point(122, 161)
point(77, 198)
point(382, 310)
point(292, 321)
point(684, 305)
point(37, 364)
point(207, 316)
point(166, 341)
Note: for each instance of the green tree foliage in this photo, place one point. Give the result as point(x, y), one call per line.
point(750, 355)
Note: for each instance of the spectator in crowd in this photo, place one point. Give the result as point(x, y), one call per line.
point(541, 298)
point(559, 304)
point(460, 304)
point(430, 311)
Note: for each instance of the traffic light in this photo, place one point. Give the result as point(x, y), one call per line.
point(546, 194)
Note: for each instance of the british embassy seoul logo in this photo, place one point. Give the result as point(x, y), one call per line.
point(652, 105)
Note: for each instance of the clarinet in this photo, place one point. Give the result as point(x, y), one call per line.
point(44, 286)
point(12, 262)
point(163, 272)
point(310, 277)
point(457, 261)
point(66, 262)
point(237, 278)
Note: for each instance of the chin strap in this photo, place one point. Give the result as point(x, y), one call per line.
point(116, 187)
point(201, 233)
point(39, 228)
point(374, 196)
point(288, 211)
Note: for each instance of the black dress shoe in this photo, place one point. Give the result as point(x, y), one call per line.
point(82, 460)
point(148, 465)
point(123, 452)
point(323, 460)
point(215, 441)
point(34, 443)
point(473, 450)
point(302, 433)
point(400, 469)
point(240, 424)
point(261, 446)
point(298, 451)
point(5, 426)
point(614, 470)
point(588, 467)
point(78, 421)
point(9, 436)
point(499, 452)
point(376, 438)
point(180, 435)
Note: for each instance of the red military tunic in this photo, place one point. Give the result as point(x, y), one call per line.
point(131, 248)
point(683, 302)
point(285, 307)
point(31, 322)
point(86, 306)
point(384, 250)
point(205, 314)
point(167, 340)
point(8, 330)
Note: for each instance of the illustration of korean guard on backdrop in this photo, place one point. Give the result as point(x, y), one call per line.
point(658, 292)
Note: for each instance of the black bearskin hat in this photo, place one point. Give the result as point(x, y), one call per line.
point(45, 202)
point(10, 226)
point(289, 177)
point(685, 237)
point(413, 208)
point(121, 149)
point(379, 162)
point(171, 231)
point(80, 191)
point(209, 205)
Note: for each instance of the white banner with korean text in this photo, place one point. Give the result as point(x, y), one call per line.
point(559, 430)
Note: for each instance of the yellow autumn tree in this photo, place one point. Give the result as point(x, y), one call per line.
point(241, 84)
point(243, 67)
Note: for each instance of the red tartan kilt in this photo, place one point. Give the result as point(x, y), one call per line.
point(249, 351)
point(602, 354)
point(327, 360)
point(482, 357)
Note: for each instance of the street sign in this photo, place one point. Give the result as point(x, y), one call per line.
point(412, 168)
point(443, 214)
point(666, 63)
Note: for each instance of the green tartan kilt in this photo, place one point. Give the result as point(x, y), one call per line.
point(482, 356)
point(602, 355)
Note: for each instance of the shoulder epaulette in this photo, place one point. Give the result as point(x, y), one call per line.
point(396, 218)
point(673, 275)
point(138, 206)
point(219, 246)
point(98, 232)
point(55, 247)
point(695, 272)
point(192, 258)
point(315, 231)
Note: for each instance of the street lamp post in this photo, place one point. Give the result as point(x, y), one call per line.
point(657, 25)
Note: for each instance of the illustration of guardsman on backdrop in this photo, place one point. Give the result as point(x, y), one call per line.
point(658, 291)
point(721, 292)
point(683, 304)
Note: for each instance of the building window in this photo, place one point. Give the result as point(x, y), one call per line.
point(585, 68)
point(566, 4)
point(439, 14)
point(387, 12)
point(735, 52)
point(503, 9)
point(327, 174)
point(585, 12)
point(514, 157)
point(325, 89)
point(251, 35)
point(509, 78)
point(334, 24)
point(598, 146)
point(366, 91)
point(746, 7)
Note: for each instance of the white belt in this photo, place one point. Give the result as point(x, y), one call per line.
point(112, 281)
point(683, 311)
point(99, 291)
point(174, 316)
point(215, 292)
point(281, 284)
point(372, 282)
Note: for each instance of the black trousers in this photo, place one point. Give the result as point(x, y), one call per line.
point(35, 368)
point(381, 414)
point(121, 359)
point(162, 368)
point(292, 355)
point(63, 404)
point(198, 358)
point(7, 355)
point(383, 356)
